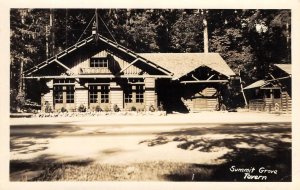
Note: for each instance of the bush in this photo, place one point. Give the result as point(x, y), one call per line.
point(106, 108)
point(161, 107)
point(82, 108)
point(116, 108)
point(48, 108)
point(63, 109)
point(151, 108)
point(98, 108)
point(133, 108)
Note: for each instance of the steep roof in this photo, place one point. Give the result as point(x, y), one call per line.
point(89, 40)
point(183, 63)
point(177, 63)
point(285, 67)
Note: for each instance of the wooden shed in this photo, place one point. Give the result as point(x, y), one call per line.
point(274, 93)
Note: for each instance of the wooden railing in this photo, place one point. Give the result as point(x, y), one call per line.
point(94, 70)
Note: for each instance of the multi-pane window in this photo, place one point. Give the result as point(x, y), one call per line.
point(99, 62)
point(63, 81)
point(99, 93)
point(70, 94)
point(58, 94)
point(63, 90)
point(93, 94)
point(128, 94)
point(104, 94)
point(139, 93)
point(134, 93)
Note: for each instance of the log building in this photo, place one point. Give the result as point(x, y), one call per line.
point(99, 73)
point(274, 93)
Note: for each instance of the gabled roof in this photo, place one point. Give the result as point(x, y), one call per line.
point(183, 63)
point(88, 40)
point(256, 84)
point(178, 64)
point(285, 67)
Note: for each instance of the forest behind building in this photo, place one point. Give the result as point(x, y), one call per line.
point(250, 41)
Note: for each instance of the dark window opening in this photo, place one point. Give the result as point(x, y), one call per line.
point(104, 94)
point(267, 93)
point(58, 94)
point(63, 81)
point(277, 93)
point(70, 94)
point(139, 93)
point(128, 94)
point(63, 94)
point(99, 91)
point(93, 94)
point(134, 93)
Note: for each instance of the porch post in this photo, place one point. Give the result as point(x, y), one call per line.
point(81, 95)
point(150, 94)
point(116, 95)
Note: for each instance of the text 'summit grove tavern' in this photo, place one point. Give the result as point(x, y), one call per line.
point(97, 72)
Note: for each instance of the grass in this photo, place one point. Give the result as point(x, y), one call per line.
point(148, 171)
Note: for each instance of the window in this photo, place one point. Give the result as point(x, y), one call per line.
point(267, 93)
point(63, 81)
point(70, 94)
point(139, 93)
point(58, 94)
point(63, 90)
point(134, 93)
point(104, 94)
point(93, 94)
point(277, 93)
point(99, 62)
point(99, 91)
point(64, 94)
point(128, 94)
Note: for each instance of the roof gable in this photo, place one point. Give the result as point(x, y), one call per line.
point(110, 45)
point(183, 63)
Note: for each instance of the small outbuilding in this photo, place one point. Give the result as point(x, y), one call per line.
point(274, 93)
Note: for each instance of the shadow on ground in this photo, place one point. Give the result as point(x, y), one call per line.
point(41, 168)
point(252, 145)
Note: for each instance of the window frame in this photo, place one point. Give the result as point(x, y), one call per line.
point(99, 62)
point(58, 94)
point(99, 93)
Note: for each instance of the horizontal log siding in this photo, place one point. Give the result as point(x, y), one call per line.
point(81, 95)
point(286, 102)
point(150, 94)
point(47, 96)
point(257, 105)
point(116, 95)
point(204, 104)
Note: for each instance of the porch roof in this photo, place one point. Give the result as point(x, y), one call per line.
point(256, 84)
point(285, 67)
point(183, 63)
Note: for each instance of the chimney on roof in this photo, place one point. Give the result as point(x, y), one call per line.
point(94, 29)
point(205, 35)
point(96, 23)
